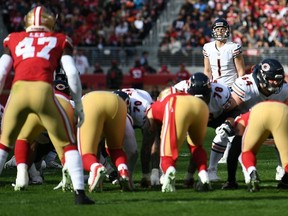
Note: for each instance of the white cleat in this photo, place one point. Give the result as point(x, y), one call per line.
point(212, 175)
point(22, 179)
point(168, 181)
point(279, 173)
point(96, 177)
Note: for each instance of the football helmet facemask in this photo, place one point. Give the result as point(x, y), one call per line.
point(39, 19)
point(219, 35)
point(200, 86)
point(270, 74)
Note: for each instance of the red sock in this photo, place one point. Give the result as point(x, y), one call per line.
point(248, 159)
point(117, 156)
point(286, 168)
point(88, 160)
point(21, 151)
point(166, 162)
point(199, 156)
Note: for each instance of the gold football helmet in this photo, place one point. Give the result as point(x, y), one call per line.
point(39, 19)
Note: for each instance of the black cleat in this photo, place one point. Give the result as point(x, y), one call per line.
point(82, 199)
point(253, 185)
point(189, 183)
point(283, 184)
point(230, 185)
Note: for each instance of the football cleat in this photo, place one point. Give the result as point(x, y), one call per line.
point(22, 179)
point(124, 180)
point(113, 177)
point(230, 185)
point(202, 187)
point(96, 177)
point(145, 183)
point(253, 185)
point(189, 182)
point(168, 181)
point(283, 184)
point(82, 199)
point(279, 173)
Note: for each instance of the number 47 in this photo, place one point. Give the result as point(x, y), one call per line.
point(26, 49)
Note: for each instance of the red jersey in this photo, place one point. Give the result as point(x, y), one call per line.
point(158, 107)
point(183, 75)
point(137, 74)
point(36, 54)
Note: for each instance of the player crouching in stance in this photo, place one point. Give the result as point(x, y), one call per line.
point(105, 115)
point(180, 114)
point(257, 131)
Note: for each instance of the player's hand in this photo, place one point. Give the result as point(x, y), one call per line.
point(225, 130)
point(79, 114)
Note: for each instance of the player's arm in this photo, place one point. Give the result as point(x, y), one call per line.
point(74, 82)
point(240, 65)
point(6, 63)
point(234, 101)
point(207, 68)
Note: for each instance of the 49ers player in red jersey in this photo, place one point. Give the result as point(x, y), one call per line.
point(181, 115)
point(35, 54)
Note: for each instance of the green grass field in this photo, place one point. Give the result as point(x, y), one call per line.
point(43, 200)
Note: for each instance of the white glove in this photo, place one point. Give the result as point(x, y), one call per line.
point(66, 182)
point(79, 114)
point(225, 130)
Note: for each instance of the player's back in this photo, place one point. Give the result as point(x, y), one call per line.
point(36, 55)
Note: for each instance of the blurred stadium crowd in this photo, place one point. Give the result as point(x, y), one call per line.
point(254, 23)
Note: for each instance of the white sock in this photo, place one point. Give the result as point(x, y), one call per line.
point(219, 144)
point(75, 168)
point(3, 158)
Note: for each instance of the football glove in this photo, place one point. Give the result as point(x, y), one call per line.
point(66, 182)
point(79, 114)
point(225, 130)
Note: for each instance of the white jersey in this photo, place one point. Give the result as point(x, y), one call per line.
point(140, 101)
point(220, 95)
point(222, 61)
point(246, 89)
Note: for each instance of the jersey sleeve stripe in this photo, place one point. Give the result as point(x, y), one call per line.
point(238, 91)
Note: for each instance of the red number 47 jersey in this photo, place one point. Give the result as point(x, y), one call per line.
point(36, 55)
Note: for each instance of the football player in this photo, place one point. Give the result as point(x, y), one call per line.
point(223, 59)
point(35, 54)
point(257, 131)
point(140, 101)
point(106, 120)
point(218, 97)
point(179, 114)
point(266, 82)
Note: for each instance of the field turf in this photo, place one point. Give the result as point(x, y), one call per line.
point(41, 200)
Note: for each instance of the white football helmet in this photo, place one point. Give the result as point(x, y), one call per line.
point(39, 19)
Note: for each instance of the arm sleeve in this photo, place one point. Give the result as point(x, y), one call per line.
point(6, 63)
point(72, 74)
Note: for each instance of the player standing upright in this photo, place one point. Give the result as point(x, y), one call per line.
point(223, 59)
point(223, 63)
point(35, 54)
